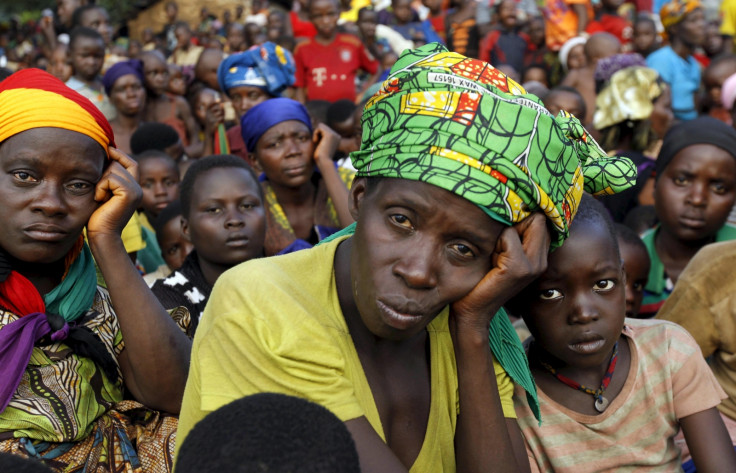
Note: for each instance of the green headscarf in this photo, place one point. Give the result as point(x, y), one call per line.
point(462, 125)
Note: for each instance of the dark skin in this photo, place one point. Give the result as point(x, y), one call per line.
point(287, 153)
point(60, 181)
point(693, 198)
point(128, 96)
point(688, 34)
point(575, 297)
point(416, 250)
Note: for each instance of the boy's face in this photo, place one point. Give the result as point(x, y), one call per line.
point(227, 221)
point(576, 309)
point(695, 193)
point(636, 267)
point(59, 66)
point(205, 98)
point(536, 31)
point(284, 153)
point(176, 85)
point(324, 15)
point(402, 10)
point(156, 73)
point(128, 95)
point(645, 36)
point(713, 79)
point(507, 14)
point(576, 58)
point(183, 37)
point(159, 179)
point(236, 37)
point(99, 20)
point(417, 248)
point(87, 56)
point(174, 246)
point(563, 100)
point(367, 23)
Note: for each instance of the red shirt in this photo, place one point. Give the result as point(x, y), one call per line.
point(328, 71)
point(615, 25)
point(301, 28)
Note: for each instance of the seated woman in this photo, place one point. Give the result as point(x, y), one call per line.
point(124, 85)
point(78, 388)
point(250, 78)
point(222, 215)
point(388, 324)
point(303, 204)
point(693, 195)
point(633, 113)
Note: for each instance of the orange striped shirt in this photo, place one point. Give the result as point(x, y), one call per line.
point(668, 380)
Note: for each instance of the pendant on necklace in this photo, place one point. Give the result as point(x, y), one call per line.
point(600, 404)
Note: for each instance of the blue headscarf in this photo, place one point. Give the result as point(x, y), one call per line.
point(269, 67)
point(259, 119)
point(120, 69)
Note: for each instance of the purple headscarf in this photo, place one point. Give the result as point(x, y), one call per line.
point(120, 69)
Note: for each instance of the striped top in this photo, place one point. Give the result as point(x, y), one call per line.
point(668, 380)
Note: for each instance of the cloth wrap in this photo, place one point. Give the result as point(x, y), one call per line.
point(673, 12)
point(29, 99)
point(701, 131)
point(120, 69)
point(268, 66)
point(629, 95)
point(259, 119)
point(460, 124)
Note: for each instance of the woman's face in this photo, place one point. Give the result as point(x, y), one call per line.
point(245, 97)
point(128, 95)
point(47, 185)
point(284, 153)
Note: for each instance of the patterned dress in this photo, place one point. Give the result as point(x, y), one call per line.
point(69, 415)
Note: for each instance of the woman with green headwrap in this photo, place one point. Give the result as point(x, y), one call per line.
point(387, 324)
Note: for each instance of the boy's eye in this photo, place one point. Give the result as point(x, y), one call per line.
point(172, 250)
point(680, 180)
point(24, 176)
point(213, 210)
point(718, 187)
point(638, 286)
point(604, 285)
point(401, 220)
point(550, 295)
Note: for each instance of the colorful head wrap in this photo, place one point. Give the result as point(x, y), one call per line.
point(268, 66)
point(567, 48)
point(630, 95)
point(120, 69)
point(462, 125)
point(673, 12)
point(32, 98)
point(259, 119)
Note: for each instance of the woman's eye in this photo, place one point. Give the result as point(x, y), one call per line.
point(401, 220)
point(550, 295)
point(463, 250)
point(79, 186)
point(680, 180)
point(213, 210)
point(604, 285)
point(23, 176)
point(247, 206)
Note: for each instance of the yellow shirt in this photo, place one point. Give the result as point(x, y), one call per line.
point(275, 325)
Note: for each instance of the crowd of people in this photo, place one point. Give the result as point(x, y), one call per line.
point(454, 235)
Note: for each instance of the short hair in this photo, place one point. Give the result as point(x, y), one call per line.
point(80, 11)
point(571, 90)
point(645, 18)
point(340, 111)
point(153, 135)
point(169, 213)
point(80, 32)
point(269, 432)
point(317, 110)
point(19, 464)
point(628, 236)
point(153, 154)
point(591, 210)
point(203, 165)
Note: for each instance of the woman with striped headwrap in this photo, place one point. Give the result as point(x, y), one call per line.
point(387, 323)
point(70, 351)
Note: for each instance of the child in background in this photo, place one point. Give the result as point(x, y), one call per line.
point(158, 136)
point(645, 39)
point(59, 65)
point(694, 192)
point(367, 22)
point(177, 83)
point(599, 46)
point(572, 54)
point(461, 29)
point(86, 55)
point(621, 387)
point(164, 108)
point(159, 179)
point(505, 44)
point(237, 42)
point(224, 219)
point(635, 259)
point(565, 98)
point(341, 118)
point(174, 246)
point(714, 77)
point(209, 112)
point(609, 20)
point(327, 64)
point(186, 53)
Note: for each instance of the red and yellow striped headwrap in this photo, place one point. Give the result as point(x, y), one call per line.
point(32, 98)
point(673, 12)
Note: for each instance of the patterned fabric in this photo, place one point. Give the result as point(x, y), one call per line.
point(185, 287)
point(69, 413)
point(279, 233)
point(673, 12)
point(607, 67)
point(462, 125)
point(27, 96)
point(268, 66)
point(630, 95)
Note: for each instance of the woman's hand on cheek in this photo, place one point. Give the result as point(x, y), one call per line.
point(118, 193)
point(520, 257)
point(326, 142)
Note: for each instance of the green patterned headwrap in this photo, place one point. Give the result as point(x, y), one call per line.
point(462, 125)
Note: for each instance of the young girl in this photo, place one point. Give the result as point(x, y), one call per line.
point(613, 392)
